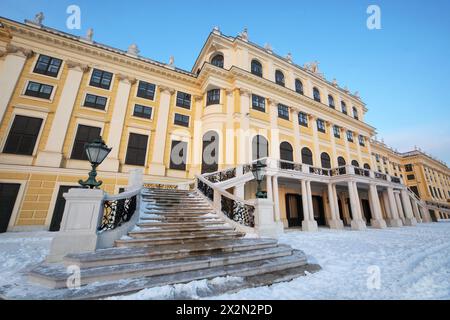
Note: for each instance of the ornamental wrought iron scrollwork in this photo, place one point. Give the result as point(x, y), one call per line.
point(222, 175)
point(160, 186)
point(116, 212)
point(287, 165)
point(320, 171)
point(381, 176)
point(246, 168)
point(205, 189)
point(238, 211)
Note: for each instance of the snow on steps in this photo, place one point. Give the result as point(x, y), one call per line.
point(193, 244)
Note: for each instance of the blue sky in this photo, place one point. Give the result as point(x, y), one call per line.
point(401, 71)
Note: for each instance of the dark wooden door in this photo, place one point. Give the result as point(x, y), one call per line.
point(366, 210)
point(210, 152)
point(8, 196)
point(319, 213)
point(294, 210)
point(58, 211)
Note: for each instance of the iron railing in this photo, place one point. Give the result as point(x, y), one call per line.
point(221, 176)
point(117, 211)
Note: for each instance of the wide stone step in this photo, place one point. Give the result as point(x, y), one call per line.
point(178, 218)
point(169, 192)
point(264, 273)
point(164, 252)
point(55, 276)
point(177, 239)
point(181, 209)
point(151, 234)
point(178, 213)
point(179, 225)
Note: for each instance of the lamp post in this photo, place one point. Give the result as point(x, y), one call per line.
point(258, 173)
point(96, 152)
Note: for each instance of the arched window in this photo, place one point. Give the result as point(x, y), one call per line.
point(256, 68)
point(366, 166)
point(298, 86)
point(260, 147)
point(316, 94)
point(307, 157)
point(287, 154)
point(325, 160)
point(355, 163)
point(331, 101)
point(341, 162)
point(279, 78)
point(355, 113)
point(217, 60)
point(210, 153)
point(343, 107)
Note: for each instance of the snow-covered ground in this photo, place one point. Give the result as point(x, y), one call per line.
point(395, 263)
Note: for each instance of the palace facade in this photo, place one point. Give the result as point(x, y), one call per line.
point(243, 101)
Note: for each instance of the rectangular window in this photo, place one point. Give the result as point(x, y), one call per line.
point(85, 134)
point(23, 135)
point(178, 155)
point(411, 177)
point(146, 90)
point(320, 125)
point(213, 97)
point(39, 90)
point(303, 119)
point(283, 111)
point(101, 79)
point(361, 140)
point(137, 149)
point(142, 111)
point(183, 100)
point(96, 102)
point(349, 136)
point(337, 132)
point(258, 103)
point(47, 66)
point(181, 120)
point(408, 167)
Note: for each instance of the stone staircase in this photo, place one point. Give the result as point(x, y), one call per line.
point(178, 239)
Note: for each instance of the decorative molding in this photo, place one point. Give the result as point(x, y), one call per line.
point(77, 65)
point(126, 78)
point(197, 98)
point(19, 51)
point(272, 102)
point(165, 89)
point(244, 92)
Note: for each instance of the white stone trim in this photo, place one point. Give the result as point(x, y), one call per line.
point(44, 76)
point(49, 100)
point(83, 107)
point(101, 68)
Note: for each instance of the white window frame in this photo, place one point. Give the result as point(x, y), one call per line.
point(49, 100)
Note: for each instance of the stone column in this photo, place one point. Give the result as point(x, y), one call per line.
point(357, 222)
point(409, 217)
point(377, 220)
point(308, 223)
point(316, 156)
point(416, 210)
point(244, 143)
point(334, 163)
point(269, 188)
point(395, 221)
point(229, 131)
point(400, 211)
point(358, 148)
point(82, 216)
point(276, 198)
point(52, 155)
point(274, 131)
point(296, 134)
point(11, 70)
point(197, 142)
point(335, 222)
point(111, 163)
point(157, 166)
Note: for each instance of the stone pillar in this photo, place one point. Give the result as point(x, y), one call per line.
point(229, 130)
point(197, 142)
point(316, 155)
point(269, 188)
point(395, 221)
point(398, 202)
point(334, 163)
point(426, 217)
point(274, 131)
point(52, 155)
point(157, 166)
point(82, 215)
point(265, 225)
point(377, 220)
point(243, 138)
point(335, 222)
point(111, 163)
point(135, 179)
point(276, 199)
point(308, 223)
point(410, 220)
point(11, 70)
point(296, 134)
point(357, 222)
point(416, 211)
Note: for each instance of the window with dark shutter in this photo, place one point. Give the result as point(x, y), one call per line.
point(283, 111)
point(178, 152)
point(96, 102)
point(47, 66)
point(39, 90)
point(137, 149)
point(183, 100)
point(23, 135)
point(85, 134)
point(101, 79)
point(142, 111)
point(213, 97)
point(181, 120)
point(146, 90)
point(258, 103)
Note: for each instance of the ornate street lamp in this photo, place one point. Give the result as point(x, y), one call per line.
point(258, 173)
point(96, 152)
